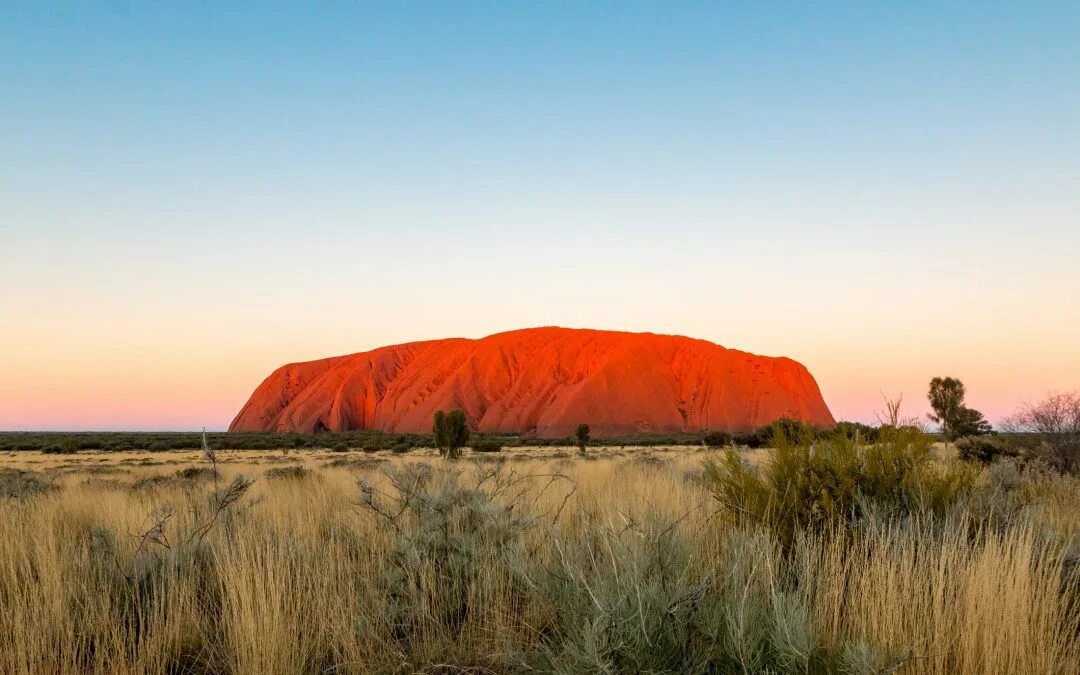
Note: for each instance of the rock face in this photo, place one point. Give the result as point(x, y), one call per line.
point(542, 381)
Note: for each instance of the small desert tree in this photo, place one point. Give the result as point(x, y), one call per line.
point(1055, 423)
point(582, 435)
point(451, 431)
point(946, 397)
point(969, 422)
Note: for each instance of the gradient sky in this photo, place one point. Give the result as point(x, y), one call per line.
point(192, 194)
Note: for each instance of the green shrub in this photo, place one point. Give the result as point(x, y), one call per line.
point(1061, 453)
point(487, 445)
point(764, 437)
point(857, 431)
point(401, 448)
point(18, 484)
point(985, 449)
point(717, 439)
point(861, 657)
point(744, 439)
point(813, 485)
point(645, 606)
point(448, 539)
point(67, 446)
point(288, 473)
point(197, 473)
point(153, 482)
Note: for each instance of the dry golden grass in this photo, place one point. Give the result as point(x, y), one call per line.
point(618, 561)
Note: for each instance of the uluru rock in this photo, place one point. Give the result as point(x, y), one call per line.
point(542, 381)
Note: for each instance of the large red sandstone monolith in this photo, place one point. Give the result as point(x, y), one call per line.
point(542, 381)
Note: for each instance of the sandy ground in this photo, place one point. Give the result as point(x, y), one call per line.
point(141, 464)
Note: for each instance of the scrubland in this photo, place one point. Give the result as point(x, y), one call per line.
point(800, 559)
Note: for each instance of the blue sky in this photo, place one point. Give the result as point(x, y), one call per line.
point(194, 193)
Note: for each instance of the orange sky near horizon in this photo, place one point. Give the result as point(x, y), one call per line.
point(98, 385)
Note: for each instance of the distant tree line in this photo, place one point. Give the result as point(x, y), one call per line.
point(1047, 431)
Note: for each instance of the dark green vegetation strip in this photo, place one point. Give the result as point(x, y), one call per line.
point(64, 442)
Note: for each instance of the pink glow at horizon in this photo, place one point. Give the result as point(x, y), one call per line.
point(115, 390)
